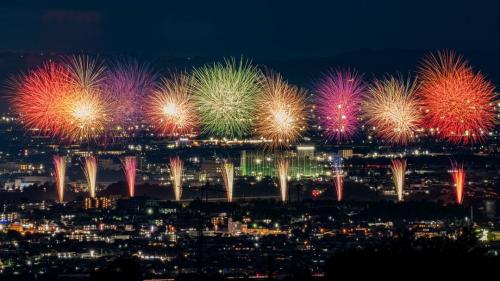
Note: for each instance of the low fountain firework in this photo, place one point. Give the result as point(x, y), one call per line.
point(398, 168)
point(282, 167)
point(228, 177)
point(338, 177)
point(60, 175)
point(281, 113)
point(338, 104)
point(176, 172)
point(129, 165)
point(458, 176)
point(90, 171)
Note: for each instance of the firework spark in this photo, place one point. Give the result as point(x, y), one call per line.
point(60, 175)
point(170, 108)
point(338, 177)
point(458, 176)
point(176, 171)
point(127, 84)
point(459, 103)
point(90, 171)
point(393, 110)
point(282, 164)
point(339, 101)
point(281, 115)
point(226, 96)
point(129, 165)
point(228, 176)
point(398, 168)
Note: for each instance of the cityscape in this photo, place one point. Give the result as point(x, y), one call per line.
point(120, 164)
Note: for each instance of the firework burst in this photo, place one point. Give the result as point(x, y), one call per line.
point(90, 171)
point(170, 108)
point(226, 95)
point(281, 113)
point(228, 176)
point(398, 168)
point(393, 110)
point(459, 103)
point(458, 176)
point(176, 171)
point(129, 165)
point(338, 103)
point(60, 175)
point(338, 177)
point(282, 165)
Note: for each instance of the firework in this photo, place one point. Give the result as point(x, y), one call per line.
point(393, 110)
point(60, 175)
point(459, 103)
point(281, 112)
point(338, 104)
point(127, 84)
point(283, 178)
point(129, 164)
point(226, 95)
point(170, 108)
point(398, 168)
point(338, 177)
point(458, 176)
point(228, 176)
point(90, 171)
point(176, 171)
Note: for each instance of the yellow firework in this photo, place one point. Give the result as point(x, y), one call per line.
point(176, 171)
point(171, 108)
point(393, 110)
point(228, 176)
point(281, 113)
point(282, 165)
point(90, 171)
point(398, 168)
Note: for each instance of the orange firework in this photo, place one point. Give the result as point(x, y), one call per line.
point(60, 175)
point(392, 109)
point(170, 108)
point(458, 176)
point(459, 103)
point(281, 114)
point(176, 171)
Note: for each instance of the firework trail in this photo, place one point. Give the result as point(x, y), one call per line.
point(127, 84)
point(170, 107)
point(458, 176)
point(339, 101)
point(283, 178)
point(228, 176)
point(459, 103)
point(90, 171)
point(281, 113)
point(393, 110)
point(398, 168)
point(338, 177)
point(129, 165)
point(176, 171)
point(60, 175)
point(226, 97)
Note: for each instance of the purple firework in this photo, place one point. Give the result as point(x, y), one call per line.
point(128, 83)
point(339, 96)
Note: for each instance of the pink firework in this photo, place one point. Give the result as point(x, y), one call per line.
point(339, 99)
point(127, 84)
point(129, 165)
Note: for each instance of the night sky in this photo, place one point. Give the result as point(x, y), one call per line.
point(259, 29)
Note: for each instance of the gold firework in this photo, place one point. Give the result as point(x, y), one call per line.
point(283, 178)
point(398, 168)
point(90, 171)
point(176, 171)
point(228, 176)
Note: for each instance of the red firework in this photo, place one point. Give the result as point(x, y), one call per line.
point(339, 101)
point(459, 103)
point(458, 176)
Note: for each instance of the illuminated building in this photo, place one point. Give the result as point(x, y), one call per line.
point(96, 203)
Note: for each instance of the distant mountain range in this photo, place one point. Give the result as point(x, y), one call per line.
point(304, 72)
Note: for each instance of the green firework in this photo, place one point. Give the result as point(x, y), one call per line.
point(226, 96)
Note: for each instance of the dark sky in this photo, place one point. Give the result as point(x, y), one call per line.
point(261, 29)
